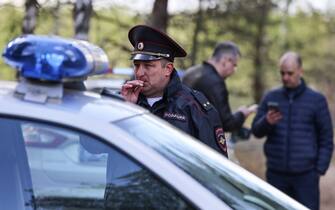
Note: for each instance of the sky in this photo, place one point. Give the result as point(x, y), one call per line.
point(182, 5)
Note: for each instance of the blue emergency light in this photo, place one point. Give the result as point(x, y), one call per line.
point(53, 58)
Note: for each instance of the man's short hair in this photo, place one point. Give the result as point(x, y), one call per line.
point(164, 62)
point(224, 48)
point(299, 60)
point(290, 54)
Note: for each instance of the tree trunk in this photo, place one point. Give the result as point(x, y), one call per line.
point(159, 16)
point(284, 26)
point(29, 20)
point(197, 29)
point(81, 15)
point(260, 53)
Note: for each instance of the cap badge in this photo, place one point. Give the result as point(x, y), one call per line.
point(140, 46)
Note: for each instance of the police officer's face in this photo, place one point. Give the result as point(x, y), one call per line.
point(290, 73)
point(154, 74)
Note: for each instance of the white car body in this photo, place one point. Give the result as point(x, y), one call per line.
point(97, 115)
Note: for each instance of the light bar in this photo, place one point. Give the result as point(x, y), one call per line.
point(54, 58)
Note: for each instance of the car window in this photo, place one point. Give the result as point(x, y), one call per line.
point(224, 179)
point(66, 169)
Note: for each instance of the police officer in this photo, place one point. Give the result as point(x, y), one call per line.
point(158, 88)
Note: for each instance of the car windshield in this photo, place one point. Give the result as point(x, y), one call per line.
point(234, 185)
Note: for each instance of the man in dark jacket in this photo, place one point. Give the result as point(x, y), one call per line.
point(158, 88)
point(209, 78)
point(298, 126)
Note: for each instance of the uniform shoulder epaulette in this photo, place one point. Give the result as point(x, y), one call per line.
point(202, 100)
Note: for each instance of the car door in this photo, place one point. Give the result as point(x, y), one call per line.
point(49, 166)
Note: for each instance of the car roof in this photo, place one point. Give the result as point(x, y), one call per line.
point(84, 103)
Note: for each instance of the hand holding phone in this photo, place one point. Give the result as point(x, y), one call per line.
point(273, 106)
point(273, 115)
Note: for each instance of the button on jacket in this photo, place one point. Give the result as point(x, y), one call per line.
point(205, 79)
point(190, 111)
point(303, 139)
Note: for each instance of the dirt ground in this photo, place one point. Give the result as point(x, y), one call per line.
point(250, 156)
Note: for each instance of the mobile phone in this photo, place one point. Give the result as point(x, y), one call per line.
point(273, 106)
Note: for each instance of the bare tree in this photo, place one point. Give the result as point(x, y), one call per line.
point(197, 30)
point(30, 16)
point(81, 15)
point(263, 8)
point(159, 16)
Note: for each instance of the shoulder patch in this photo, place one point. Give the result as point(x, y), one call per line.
point(221, 140)
point(174, 116)
point(202, 100)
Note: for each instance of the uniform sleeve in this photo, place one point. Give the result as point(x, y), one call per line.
point(260, 126)
point(218, 95)
point(325, 135)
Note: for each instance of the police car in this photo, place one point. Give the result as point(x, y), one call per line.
point(66, 148)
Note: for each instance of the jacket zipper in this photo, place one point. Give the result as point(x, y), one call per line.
point(288, 134)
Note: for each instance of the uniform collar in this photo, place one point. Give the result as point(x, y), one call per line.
point(173, 86)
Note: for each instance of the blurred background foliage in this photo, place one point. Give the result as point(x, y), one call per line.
point(263, 29)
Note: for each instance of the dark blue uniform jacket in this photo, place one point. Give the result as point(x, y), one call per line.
point(190, 111)
point(303, 139)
